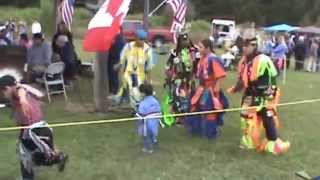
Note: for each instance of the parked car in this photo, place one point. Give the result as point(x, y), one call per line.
point(157, 36)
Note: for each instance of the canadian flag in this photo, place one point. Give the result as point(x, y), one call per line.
point(105, 25)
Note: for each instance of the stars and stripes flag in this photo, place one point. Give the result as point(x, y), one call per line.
point(105, 25)
point(179, 8)
point(67, 10)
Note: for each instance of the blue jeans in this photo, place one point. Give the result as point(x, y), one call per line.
point(148, 129)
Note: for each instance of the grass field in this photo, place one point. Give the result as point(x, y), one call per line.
point(112, 151)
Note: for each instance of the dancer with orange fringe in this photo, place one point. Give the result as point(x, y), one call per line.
point(257, 77)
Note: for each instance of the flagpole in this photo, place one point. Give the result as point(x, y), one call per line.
point(157, 8)
point(145, 14)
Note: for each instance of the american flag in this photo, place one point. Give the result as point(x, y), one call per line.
point(179, 8)
point(67, 10)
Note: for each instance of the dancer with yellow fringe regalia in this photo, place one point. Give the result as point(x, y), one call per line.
point(136, 63)
point(257, 77)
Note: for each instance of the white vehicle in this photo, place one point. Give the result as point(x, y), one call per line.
point(223, 30)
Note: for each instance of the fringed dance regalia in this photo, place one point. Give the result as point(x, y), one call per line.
point(179, 82)
point(257, 77)
point(137, 63)
point(208, 97)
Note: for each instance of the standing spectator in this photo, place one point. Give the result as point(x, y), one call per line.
point(308, 43)
point(300, 53)
point(67, 55)
point(113, 59)
point(318, 59)
point(39, 54)
point(239, 43)
point(227, 59)
point(278, 53)
point(312, 65)
point(290, 44)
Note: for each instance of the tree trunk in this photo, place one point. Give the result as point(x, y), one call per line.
point(101, 82)
point(55, 15)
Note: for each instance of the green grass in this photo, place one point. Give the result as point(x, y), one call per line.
point(112, 151)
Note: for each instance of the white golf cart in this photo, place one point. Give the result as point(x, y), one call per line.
point(222, 30)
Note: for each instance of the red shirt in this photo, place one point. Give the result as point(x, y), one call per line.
point(35, 115)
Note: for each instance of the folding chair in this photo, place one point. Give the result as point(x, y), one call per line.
point(54, 77)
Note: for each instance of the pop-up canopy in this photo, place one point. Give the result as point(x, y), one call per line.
point(280, 28)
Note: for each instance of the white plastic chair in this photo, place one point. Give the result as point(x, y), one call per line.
point(54, 70)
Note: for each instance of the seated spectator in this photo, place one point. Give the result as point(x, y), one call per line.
point(62, 30)
point(23, 39)
point(66, 54)
point(4, 40)
point(39, 55)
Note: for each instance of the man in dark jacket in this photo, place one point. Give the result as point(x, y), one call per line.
point(114, 58)
point(68, 56)
point(300, 51)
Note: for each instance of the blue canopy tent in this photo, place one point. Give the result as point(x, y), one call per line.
point(280, 28)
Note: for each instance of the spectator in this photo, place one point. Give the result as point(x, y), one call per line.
point(62, 30)
point(300, 51)
point(227, 58)
point(278, 53)
point(39, 54)
point(22, 27)
point(23, 39)
point(113, 59)
point(11, 30)
point(239, 43)
point(312, 64)
point(67, 55)
point(318, 59)
point(4, 40)
point(290, 44)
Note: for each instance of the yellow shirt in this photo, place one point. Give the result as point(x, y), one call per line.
point(136, 59)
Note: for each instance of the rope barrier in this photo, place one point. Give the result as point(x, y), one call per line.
point(162, 116)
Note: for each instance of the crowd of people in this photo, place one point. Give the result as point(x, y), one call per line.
point(40, 52)
point(303, 48)
point(193, 76)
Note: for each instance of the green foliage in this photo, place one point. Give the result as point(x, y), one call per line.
point(200, 29)
point(263, 12)
point(24, 14)
point(46, 16)
point(159, 21)
point(20, 3)
point(135, 16)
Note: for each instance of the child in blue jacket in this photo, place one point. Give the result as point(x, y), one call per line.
point(148, 126)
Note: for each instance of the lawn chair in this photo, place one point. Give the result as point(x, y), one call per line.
point(54, 77)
